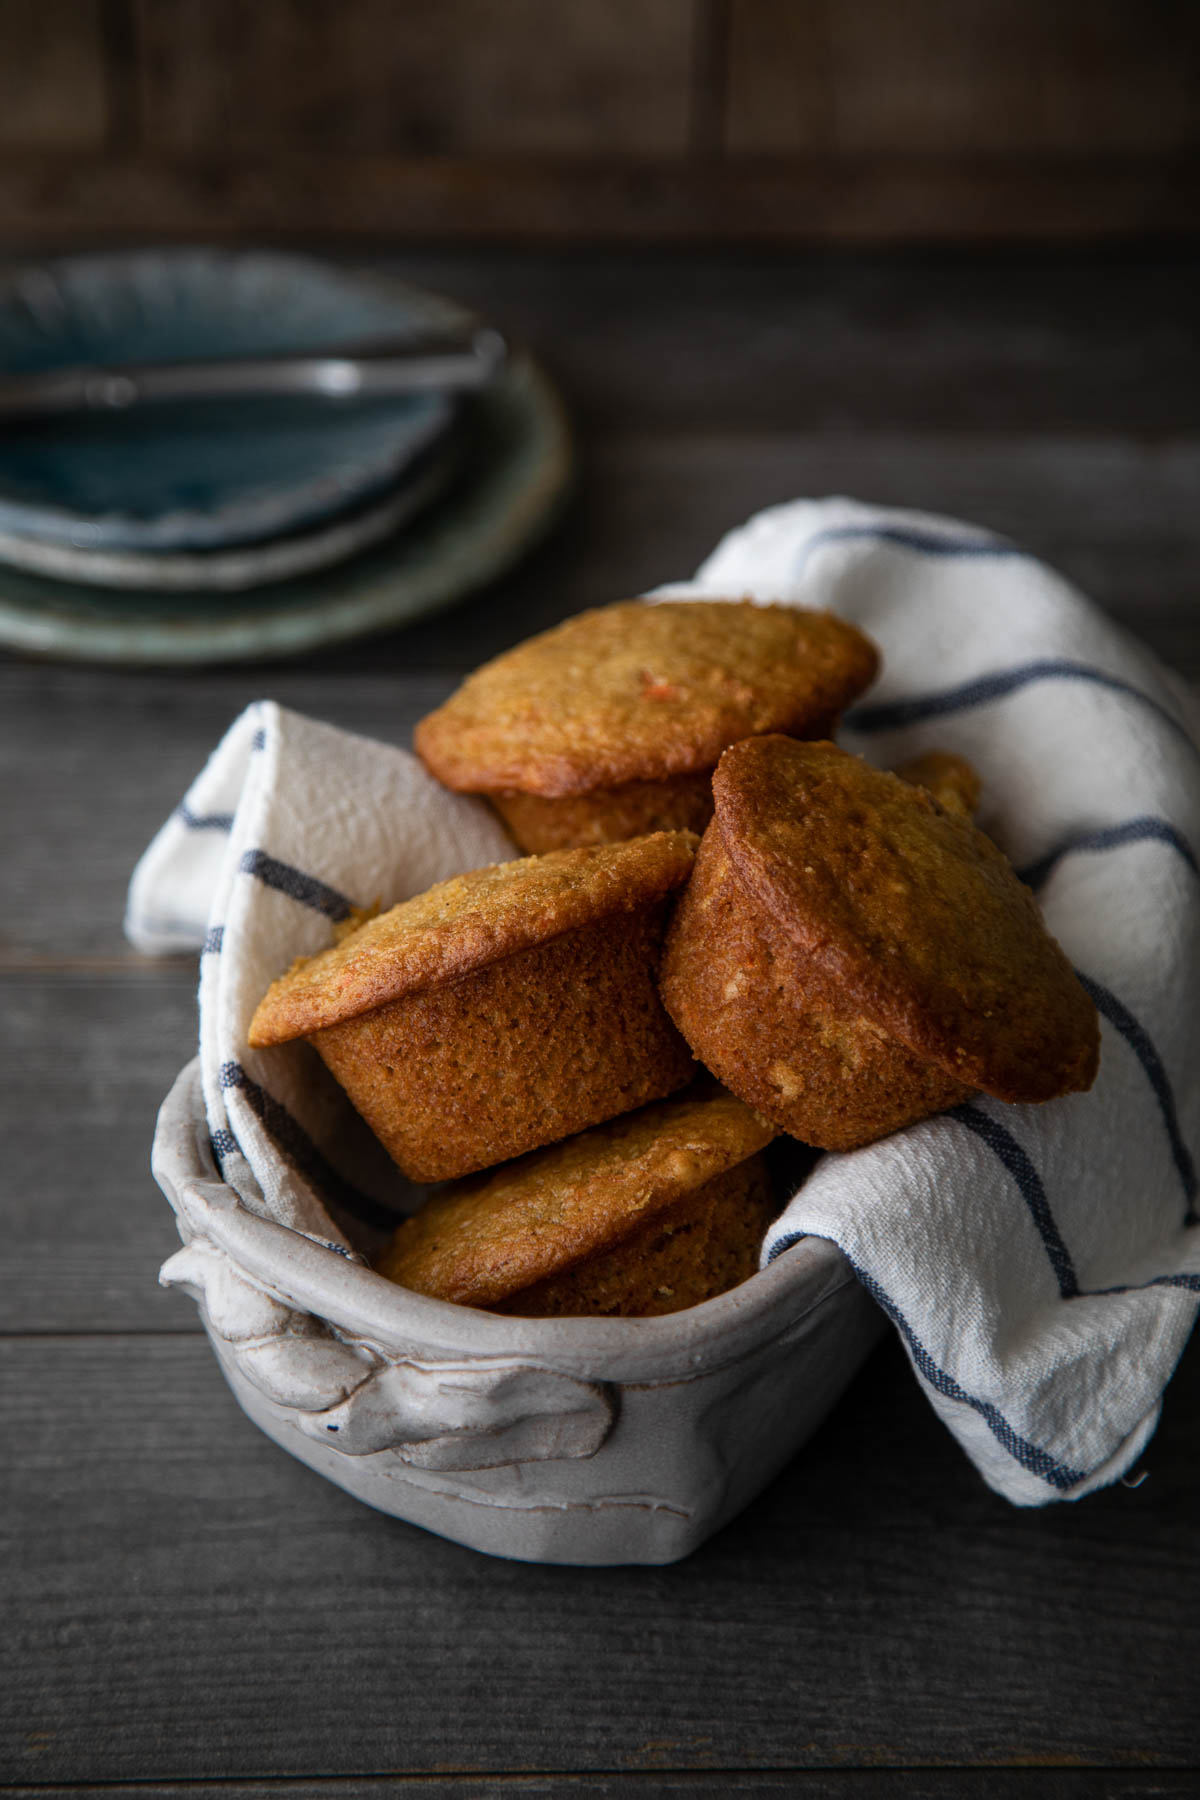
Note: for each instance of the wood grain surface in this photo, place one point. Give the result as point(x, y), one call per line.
point(187, 1610)
point(853, 198)
point(604, 120)
point(985, 75)
point(456, 78)
point(53, 84)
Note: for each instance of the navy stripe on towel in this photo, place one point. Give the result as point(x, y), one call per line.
point(1138, 1038)
point(291, 1139)
point(907, 537)
point(204, 821)
point(891, 716)
point(1002, 1143)
point(1030, 1456)
point(1111, 837)
point(1189, 1281)
point(296, 884)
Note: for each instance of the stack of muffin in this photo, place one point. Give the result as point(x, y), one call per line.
point(841, 947)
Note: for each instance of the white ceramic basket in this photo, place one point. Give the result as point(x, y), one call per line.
point(548, 1440)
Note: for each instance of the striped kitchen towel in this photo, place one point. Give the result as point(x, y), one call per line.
point(1041, 1264)
point(290, 826)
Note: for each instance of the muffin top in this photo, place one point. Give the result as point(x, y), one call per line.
point(635, 692)
point(496, 1234)
point(906, 916)
point(465, 923)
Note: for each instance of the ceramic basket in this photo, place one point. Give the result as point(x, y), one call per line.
point(548, 1440)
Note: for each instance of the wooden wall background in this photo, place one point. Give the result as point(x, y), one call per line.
point(575, 120)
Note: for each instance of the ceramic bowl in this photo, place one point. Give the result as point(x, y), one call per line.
point(240, 567)
point(515, 472)
point(202, 475)
point(548, 1440)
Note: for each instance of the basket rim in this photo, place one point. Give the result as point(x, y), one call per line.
point(356, 1302)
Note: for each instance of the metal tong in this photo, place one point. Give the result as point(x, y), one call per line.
point(359, 371)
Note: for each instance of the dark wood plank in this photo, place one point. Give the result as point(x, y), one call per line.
point(189, 1602)
point(1042, 343)
point(85, 1062)
point(633, 120)
point(1114, 516)
point(780, 98)
point(1045, 343)
point(990, 75)
point(94, 763)
point(820, 199)
point(53, 93)
point(1040, 1783)
point(458, 77)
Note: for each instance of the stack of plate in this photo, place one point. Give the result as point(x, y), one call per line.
point(207, 529)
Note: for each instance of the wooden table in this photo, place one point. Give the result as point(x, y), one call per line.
point(188, 1608)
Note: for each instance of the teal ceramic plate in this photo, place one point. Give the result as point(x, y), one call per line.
point(517, 461)
point(204, 474)
point(233, 568)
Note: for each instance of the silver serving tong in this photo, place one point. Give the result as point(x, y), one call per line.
point(359, 371)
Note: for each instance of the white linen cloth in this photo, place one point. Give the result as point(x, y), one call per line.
point(1041, 1264)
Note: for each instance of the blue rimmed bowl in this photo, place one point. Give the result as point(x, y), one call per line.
point(203, 475)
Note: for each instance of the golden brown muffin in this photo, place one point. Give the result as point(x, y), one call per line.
point(650, 1213)
point(498, 1011)
point(850, 956)
point(606, 815)
point(951, 780)
point(610, 724)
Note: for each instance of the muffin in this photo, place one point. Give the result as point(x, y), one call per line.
point(611, 724)
point(501, 1010)
point(647, 1214)
point(851, 956)
point(951, 780)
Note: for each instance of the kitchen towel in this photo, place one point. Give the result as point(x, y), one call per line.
point(1041, 1264)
